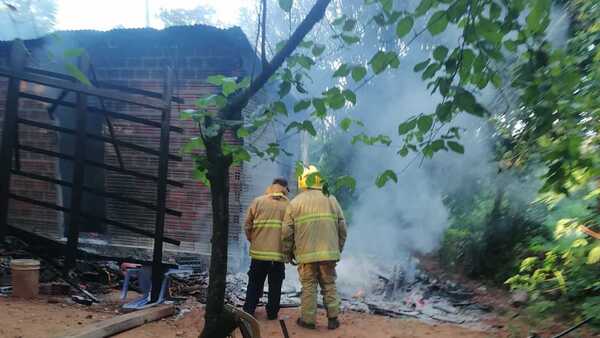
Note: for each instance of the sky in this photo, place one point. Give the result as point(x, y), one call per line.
point(107, 14)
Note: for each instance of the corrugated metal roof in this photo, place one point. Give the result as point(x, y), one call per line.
point(142, 40)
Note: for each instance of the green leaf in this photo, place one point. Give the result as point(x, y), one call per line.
point(318, 49)
point(444, 112)
point(386, 176)
point(349, 25)
point(241, 155)
point(403, 152)
point(299, 168)
point(73, 52)
point(424, 123)
point(421, 65)
point(305, 61)
point(490, 31)
point(301, 105)
point(495, 10)
point(381, 60)
point(319, 105)
point(439, 53)
point(286, 5)
point(229, 87)
point(350, 39)
point(201, 174)
point(216, 80)
point(510, 46)
point(404, 26)
point(308, 126)
point(343, 70)
point(456, 147)
point(497, 80)
point(345, 182)
point(423, 7)
point(594, 255)
point(407, 126)
point(77, 74)
point(284, 88)
point(243, 132)
point(349, 95)
point(538, 14)
point(437, 23)
point(345, 124)
point(358, 73)
point(431, 70)
point(387, 5)
point(437, 145)
point(465, 101)
point(279, 107)
point(339, 20)
point(336, 100)
point(194, 143)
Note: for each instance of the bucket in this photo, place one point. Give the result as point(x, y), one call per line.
point(25, 278)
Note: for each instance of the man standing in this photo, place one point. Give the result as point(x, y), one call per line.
point(263, 230)
point(314, 232)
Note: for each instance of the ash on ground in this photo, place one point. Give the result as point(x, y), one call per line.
point(400, 290)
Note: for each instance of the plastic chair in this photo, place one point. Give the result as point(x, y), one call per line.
point(144, 276)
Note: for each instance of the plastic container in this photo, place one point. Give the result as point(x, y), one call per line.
point(25, 275)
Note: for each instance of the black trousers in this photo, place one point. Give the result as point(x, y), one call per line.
point(259, 271)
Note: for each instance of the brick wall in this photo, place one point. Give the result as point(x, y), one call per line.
point(139, 68)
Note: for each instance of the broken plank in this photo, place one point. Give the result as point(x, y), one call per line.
point(109, 327)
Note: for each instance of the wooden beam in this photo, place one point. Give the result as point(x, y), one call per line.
point(97, 192)
point(111, 327)
point(133, 229)
point(95, 110)
point(83, 89)
point(98, 164)
point(125, 144)
point(105, 84)
point(75, 219)
point(161, 193)
point(9, 130)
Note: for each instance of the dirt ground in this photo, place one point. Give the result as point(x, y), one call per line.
point(41, 318)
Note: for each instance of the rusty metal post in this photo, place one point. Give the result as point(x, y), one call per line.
point(161, 195)
point(9, 131)
point(78, 173)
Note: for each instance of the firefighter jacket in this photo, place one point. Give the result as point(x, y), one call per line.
point(314, 228)
point(263, 224)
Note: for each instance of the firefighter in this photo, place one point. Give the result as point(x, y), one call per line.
point(313, 234)
point(263, 230)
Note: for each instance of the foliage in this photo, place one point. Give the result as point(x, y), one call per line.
point(489, 233)
point(183, 17)
point(553, 113)
point(560, 121)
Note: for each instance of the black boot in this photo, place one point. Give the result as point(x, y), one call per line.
point(333, 323)
point(305, 325)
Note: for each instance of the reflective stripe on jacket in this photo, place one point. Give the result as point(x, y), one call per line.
point(263, 224)
point(314, 228)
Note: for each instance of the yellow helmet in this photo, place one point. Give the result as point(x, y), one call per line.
point(311, 178)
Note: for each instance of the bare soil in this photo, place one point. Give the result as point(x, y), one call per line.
point(41, 318)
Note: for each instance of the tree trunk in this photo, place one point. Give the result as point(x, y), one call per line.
point(218, 323)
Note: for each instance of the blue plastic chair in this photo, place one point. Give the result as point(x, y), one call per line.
point(144, 276)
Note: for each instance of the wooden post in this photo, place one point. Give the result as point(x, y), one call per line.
point(78, 173)
point(161, 196)
point(9, 131)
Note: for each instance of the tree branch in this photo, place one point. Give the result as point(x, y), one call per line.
point(264, 34)
point(234, 107)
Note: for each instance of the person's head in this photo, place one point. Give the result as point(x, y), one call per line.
point(310, 179)
point(282, 182)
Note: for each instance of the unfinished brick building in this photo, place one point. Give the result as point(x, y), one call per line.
point(135, 58)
